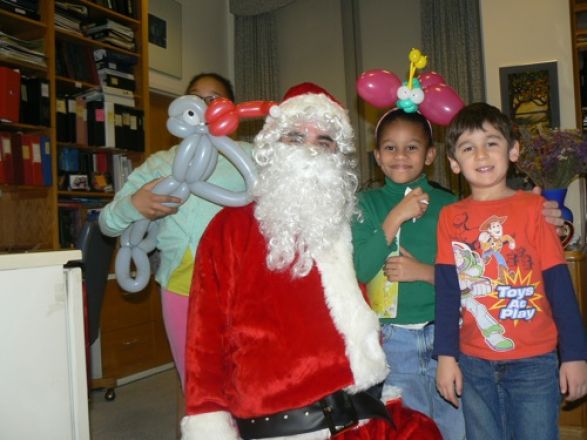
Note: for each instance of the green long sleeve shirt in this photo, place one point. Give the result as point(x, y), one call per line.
point(415, 299)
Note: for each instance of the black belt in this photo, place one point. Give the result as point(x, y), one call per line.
point(338, 412)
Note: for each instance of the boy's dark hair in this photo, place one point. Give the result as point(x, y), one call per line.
point(399, 114)
point(226, 83)
point(472, 117)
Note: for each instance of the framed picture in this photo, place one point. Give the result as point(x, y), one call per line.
point(165, 37)
point(529, 94)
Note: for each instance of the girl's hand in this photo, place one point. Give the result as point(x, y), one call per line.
point(573, 379)
point(449, 379)
point(407, 268)
point(150, 205)
point(413, 205)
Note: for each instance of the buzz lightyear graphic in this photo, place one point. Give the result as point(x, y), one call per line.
point(473, 284)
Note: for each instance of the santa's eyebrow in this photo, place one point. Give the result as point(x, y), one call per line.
point(325, 137)
point(293, 133)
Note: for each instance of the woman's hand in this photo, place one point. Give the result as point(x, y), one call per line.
point(551, 212)
point(150, 205)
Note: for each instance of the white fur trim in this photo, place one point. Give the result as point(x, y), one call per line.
point(390, 392)
point(356, 322)
point(299, 104)
point(209, 426)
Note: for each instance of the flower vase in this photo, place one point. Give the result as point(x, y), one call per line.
point(558, 195)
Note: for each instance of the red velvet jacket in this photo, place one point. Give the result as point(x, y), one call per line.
point(261, 341)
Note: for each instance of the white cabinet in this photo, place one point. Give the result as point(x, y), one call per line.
point(42, 348)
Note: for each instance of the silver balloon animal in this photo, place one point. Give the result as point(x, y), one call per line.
point(194, 162)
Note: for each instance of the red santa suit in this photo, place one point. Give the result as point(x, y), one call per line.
point(261, 342)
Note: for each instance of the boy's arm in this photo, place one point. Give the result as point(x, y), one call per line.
point(560, 292)
point(447, 312)
point(448, 295)
point(565, 311)
point(449, 379)
point(566, 314)
point(573, 379)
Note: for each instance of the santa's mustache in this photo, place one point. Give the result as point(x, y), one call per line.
point(303, 194)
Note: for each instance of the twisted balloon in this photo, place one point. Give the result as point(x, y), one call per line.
point(203, 130)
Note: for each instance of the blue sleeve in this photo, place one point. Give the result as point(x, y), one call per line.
point(447, 315)
point(566, 314)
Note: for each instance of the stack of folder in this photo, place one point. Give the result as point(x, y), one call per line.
point(69, 16)
point(112, 32)
point(25, 159)
point(27, 8)
point(29, 51)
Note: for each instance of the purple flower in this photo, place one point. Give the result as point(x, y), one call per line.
point(552, 158)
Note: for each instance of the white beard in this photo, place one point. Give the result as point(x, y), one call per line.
point(304, 194)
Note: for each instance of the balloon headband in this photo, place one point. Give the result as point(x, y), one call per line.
point(393, 110)
point(427, 93)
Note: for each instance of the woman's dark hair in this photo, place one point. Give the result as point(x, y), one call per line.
point(222, 80)
point(399, 114)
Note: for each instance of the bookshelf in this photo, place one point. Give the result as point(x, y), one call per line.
point(30, 212)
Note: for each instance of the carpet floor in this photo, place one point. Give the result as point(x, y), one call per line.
point(142, 410)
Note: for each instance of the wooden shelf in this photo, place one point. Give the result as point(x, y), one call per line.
point(24, 66)
point(18, 126)
point(95, 149)
point(97, 10)
point(84, 194)
point(76, 38)
point(22, 27)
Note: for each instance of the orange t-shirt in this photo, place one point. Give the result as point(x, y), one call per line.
point(500, 249)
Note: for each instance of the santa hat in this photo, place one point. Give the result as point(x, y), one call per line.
point(309, 103)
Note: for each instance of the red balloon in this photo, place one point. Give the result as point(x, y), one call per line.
point(219, 107)
point(441, 104)
point(224, 125)
point(378, 87)
point(429, 79)
point(254, 109)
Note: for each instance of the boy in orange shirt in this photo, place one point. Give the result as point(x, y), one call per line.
point(501, 269)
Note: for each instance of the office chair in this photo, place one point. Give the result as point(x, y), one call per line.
point(97, 250)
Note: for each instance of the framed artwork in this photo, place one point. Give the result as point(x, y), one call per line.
point(165, 37)
point(529, 94)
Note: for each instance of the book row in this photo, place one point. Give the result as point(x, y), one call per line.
point(30, 8)
point(81, 170)
point(25, 159)
point(101, 123)
point(81, 63)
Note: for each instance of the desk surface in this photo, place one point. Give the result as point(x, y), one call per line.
point(38, 259)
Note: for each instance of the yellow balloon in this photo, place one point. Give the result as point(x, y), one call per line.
point(415, 55)
point(421, 63)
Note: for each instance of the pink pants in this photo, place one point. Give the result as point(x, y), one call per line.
point(175, 317)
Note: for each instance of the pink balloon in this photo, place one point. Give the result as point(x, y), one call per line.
point(429, 79)
point(378, 87)
point(441, 104)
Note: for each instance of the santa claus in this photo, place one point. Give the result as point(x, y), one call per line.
point(281, 343)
